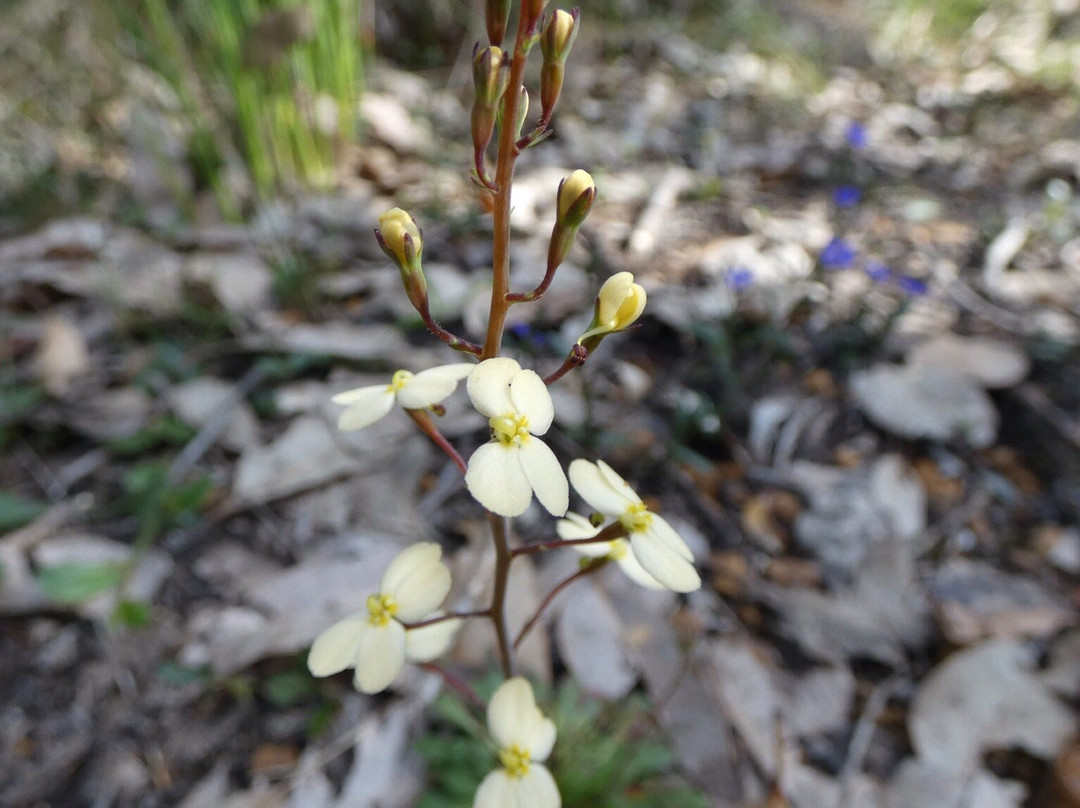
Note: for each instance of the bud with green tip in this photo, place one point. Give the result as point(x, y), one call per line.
point(575, 198)
point(403, 243)
point(574, 201)
point(496, 13)
point(555, 42)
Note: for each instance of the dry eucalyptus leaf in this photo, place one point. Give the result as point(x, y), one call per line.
point(920, 783)
point(199, 401)
point(985, 698)
point(992, 362)
point(241, 282)
point(590, 640)
point(926, 401)
point(62, 355)
point(304, 456)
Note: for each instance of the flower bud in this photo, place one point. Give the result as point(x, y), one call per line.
point(559, 35)
point(575, 199)
point(403, 244)
point(491, 74)
point(496, 13)
point(618, 305)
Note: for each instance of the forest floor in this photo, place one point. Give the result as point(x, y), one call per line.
point(854, 392)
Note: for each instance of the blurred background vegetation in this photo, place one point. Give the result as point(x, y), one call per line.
point(232, 100)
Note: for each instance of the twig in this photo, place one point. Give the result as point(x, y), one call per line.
point(497, 613)
point(213, 429)
point(592, 566)
point(861, 737)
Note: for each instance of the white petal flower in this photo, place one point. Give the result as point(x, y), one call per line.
point(525, 738)
point(366, 405)
point(576, 526)
point(377, 643)
point(662, 554)
point(504, 474)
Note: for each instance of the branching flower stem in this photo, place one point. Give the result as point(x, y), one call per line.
point(589, 568)
point(455, 683)
point(442, 618)
point(609, 533)
point(575, 359)
point(427, 426)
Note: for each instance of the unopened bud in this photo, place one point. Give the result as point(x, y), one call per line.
point(618, 305)
point(496, 13)
point(555, 42)
point(575, 199)
point(403, 244)
point(559, 35)
point(491, 74)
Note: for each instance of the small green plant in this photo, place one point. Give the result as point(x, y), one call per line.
point(609, 755)
point(282, 77)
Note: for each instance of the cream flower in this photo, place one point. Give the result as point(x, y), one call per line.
point(525, 738)
point(505, 473)
point(656, 545)
point(619, 303)
point(366, 405)
point(377, 644)
point(576, 526)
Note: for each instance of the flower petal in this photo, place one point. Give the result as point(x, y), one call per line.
point(539, 736)
point(366, 405)
point(431, 386)
point(489, 386)
point(545, 475)
point(666, 533)
point(531, 398)
point(496, 791)
point(417, 581)
point(512, 712)
point(427, 643)
point(576, 526)
point(663, 563)
point(633, 570)
point(536, 789)
point(497, 481)
point(381, 656)
point(593, 486)
point(613, 294)
point(336, 648)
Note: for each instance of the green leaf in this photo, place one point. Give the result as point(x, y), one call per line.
point(15, 511)
point(132, 614)
point(174, 673)
point(289, 688)
point(74, 582)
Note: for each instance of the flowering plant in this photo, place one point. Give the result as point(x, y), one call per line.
point(403, 621)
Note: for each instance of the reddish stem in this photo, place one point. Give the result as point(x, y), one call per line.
point(592, 566)
point(427, 426)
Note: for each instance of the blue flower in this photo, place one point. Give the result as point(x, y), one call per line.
point(739, 278)
point(913, 286)
point(856, 135)
point(877, 271)
point(838, 254)
point(846, 196)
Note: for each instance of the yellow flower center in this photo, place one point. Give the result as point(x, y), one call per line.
point(511, 429)
point(398, 380)
point(636, 518)
point(619, 549)
point(515, 760)
point(380, 609)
